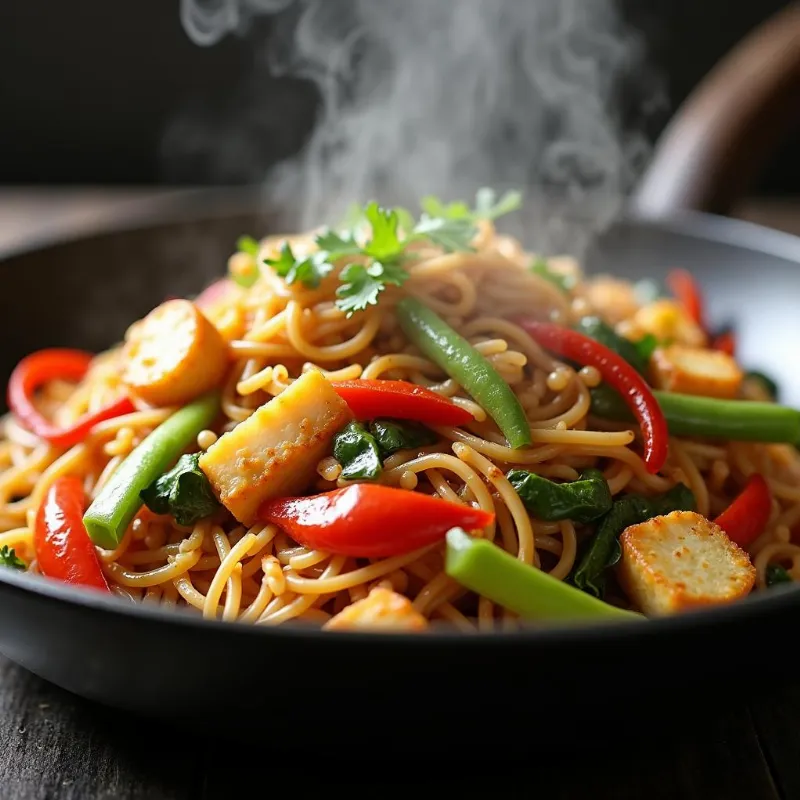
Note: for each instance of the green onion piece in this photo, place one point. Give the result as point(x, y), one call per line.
point(110, 513)
point(465, 365)
point(486, 569)
point(689, 415)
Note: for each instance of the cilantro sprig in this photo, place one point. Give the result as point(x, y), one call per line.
point(382, 257)
point(9, 558)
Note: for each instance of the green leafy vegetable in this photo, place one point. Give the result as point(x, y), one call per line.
point(309, 270)
point(603, 550)
point(184, 492)
point(775, 574)
point(393, 435)
point(564, 282)
point(361, 286)
point(487, 206)
point(451, 234)
point(9, 558)
point(770, 387)
point(357, 452)
point(583, 500)
point(247, 244)
point(637, 354)
point(392, 230)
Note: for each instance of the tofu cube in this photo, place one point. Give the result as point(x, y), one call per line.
point(381, 609)
point(667, 321)
point(275, 451)
point(694, 370)
point(682, 561)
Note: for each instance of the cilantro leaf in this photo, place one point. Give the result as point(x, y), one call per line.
point(487, 206)
point(362, 285)
point(336, 244)
point(309, 270)
point(385, 243)
point(452, 234)
point(9, 558)
point(434, 207)
point(183, 491)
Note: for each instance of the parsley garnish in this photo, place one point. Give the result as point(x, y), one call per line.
point(9, 558)
point(451, 227)
point(487, 206)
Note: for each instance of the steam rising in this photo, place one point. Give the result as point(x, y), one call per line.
point(444, 96)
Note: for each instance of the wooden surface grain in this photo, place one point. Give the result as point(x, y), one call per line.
point(56, 746)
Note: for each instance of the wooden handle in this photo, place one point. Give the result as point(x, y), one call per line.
point(725, 131)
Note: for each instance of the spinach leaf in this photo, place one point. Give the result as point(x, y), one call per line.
point(583, 500)
point(775, 574)
point(769, 385)
point(603, 550)
point(357, 451)
point(393, 435)
point(637, 354)
point(184, 492)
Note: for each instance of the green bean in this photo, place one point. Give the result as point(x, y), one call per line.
point(490, 571)
point(708, 417)
point(465, 365)
point(110, 513)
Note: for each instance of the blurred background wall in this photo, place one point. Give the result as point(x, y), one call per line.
point(89, 87)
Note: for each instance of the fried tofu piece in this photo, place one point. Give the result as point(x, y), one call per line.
point(668, 322)
point(173, 355)
point(682, 561)
point(695, 370)
point(382, 609)
point(275, 451)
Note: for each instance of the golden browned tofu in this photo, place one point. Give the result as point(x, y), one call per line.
point(275, 451)
point(682, 561)
point(381, 609)
point(695, 370)
point(668, 322)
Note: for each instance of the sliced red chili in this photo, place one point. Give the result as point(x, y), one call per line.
point(46, 365)
point(369, 399)
point(745, 519)
point(617, 373)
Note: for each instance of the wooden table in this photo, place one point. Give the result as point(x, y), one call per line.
point(56, 745)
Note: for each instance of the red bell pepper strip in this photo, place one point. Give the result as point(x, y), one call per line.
point(213, 293)
point(725, 342)
point(617, 373)
point(63, 548)
point(746, 517)
point(370, 520)
point(686, 291)
point(47, 365)
point(369, 399)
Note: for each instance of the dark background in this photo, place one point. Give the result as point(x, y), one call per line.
point(87, 87)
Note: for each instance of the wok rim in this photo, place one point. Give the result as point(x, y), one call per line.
point(187, 205)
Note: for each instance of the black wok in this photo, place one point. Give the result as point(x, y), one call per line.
point(326, 689)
